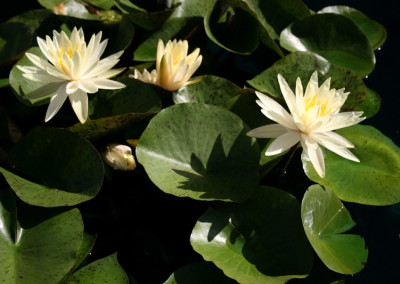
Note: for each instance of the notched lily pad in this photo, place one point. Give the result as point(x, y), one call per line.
point(325, 219)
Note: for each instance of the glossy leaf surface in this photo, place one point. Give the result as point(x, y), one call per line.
point(375, 180)
point(325, 219)
point(200, 151)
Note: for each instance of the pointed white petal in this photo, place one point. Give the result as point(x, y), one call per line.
point(80, 105)
point(72, 87)
point(56, 102)
point(332, 138)
point(39, 62)
point(110, 73)
point(283, 142)
point(107, 84)
point(312, 86)
point(314, 153)
point(341, 120)
point(287, 93)
point(267, 131)
point(42, 91)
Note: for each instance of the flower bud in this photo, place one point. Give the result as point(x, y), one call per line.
point(119, 157)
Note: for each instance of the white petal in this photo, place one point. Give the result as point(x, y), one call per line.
point(80, 104)
point(283, 142)
point(312, 86)
point(107, 84)
point(42, 91)
point(275, 111)
point(88, 86)
point(38, 61)
point(331, 138)
point(267, 131)
point(341, 120)
point(287, 93)
point(160, 54)
point(110, 73)
point(56, 102)
point(314, 153)
point(42, 77)
point(72, 87)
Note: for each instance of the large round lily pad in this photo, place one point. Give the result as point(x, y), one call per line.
point(200, 151)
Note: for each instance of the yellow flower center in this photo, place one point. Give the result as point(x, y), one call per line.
point(313, 101)
point(69, 52)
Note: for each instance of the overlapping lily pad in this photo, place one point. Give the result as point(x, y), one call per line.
point(43, 253)
point(325, 219)
point(200, 151)
point(303, 64)
point(375, 32)
point(112, 110)
point(258, 241)
point(335, 37)
point(54, 167)
point(374, 181)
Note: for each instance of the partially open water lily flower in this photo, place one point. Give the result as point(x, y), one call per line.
point(174, 66)
point(74, 69)
point(314, 116)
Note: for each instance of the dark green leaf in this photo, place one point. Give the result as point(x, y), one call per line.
point(324, 220)
point(224, 24)
point(242, 239)
point(375, 180)
point(375, 32)
point(15, 38)
point(191, 8)
point(335, 37)
point(200, 151)
point(150, 20)
point(59, 168)
point(112, 110)
point(199, 273)
point(175, 28)
point(103, 4)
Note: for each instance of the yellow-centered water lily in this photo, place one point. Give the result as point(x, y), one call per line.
point(174, 66)
point(74, 69)
point(314, 116)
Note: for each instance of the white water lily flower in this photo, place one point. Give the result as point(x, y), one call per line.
point(313, 117)
point(173, 66)
point(75, 69)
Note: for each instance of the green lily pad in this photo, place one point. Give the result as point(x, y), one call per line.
point(242, 239)
point(199, 273)
point(373, 181)
point(72, 8)
point(86, 247)
point(103, 4)
point(375, 32)
point(303, 64)
point(150, 20)
point(200, 151)
point(191, 8)
point(22, 86)
point(334, 37)
point(174, 28)
point(40, 254)
point(15, 38)
point(58, 168)
point(102, 271)
point(113, 110)
point(324, 220)
point(209, 90)
point(223, 24)
point(127, 6)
